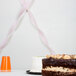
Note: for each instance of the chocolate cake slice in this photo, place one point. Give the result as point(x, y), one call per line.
point(59, 65)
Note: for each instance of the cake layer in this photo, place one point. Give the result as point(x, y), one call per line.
point(58, 71)
point(53, 73)
point(51, 61)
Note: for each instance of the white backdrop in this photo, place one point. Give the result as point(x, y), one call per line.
point(57, 19)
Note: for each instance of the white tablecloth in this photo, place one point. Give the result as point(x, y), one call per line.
point(16, 73)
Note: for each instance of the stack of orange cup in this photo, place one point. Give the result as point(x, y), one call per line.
point(5, 64)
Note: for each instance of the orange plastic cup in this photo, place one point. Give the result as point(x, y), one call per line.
point(6, 64)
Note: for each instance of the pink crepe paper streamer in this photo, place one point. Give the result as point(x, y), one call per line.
point(25, 7)
point(41, 34)
point(11, 31)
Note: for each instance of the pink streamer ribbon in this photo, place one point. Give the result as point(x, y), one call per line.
point(25, 8)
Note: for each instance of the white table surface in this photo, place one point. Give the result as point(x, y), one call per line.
point(16, 73)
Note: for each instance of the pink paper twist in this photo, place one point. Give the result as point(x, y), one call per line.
point(25, 8)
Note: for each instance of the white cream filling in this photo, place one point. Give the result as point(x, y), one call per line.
point(61, 69)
